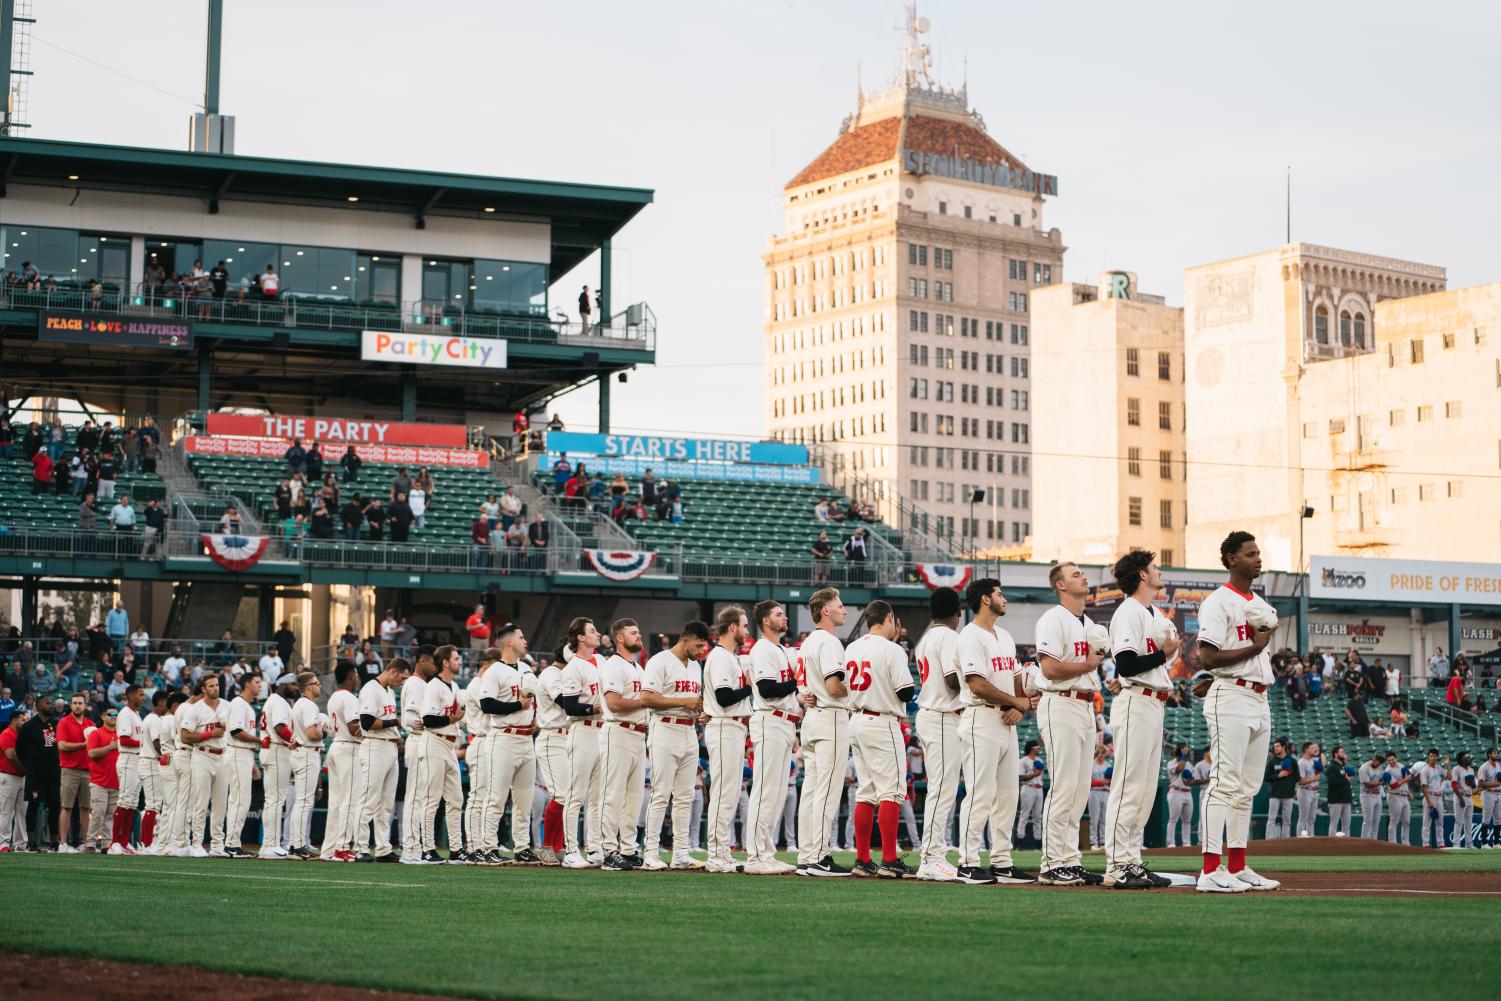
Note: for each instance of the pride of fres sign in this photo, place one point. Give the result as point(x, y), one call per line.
point(335, 429)
point(630, 446)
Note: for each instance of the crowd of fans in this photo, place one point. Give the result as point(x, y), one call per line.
point(655, 500)
point(313, 501)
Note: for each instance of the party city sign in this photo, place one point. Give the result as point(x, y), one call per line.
point(433, 349)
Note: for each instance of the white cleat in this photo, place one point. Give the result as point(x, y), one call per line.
point(1220, 881)
point(938, 872)
point(723, 865)
point(652, 862)
point(119, 849)
point(1254, 880)
point(596, 858)
point(770, 867)
point(197, 852)
point(685, 862)
point(573, 860)
point(184, 853)
point(269, 854)
point(219, 853)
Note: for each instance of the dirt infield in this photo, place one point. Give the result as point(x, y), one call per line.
point(1391, 884)
point(37, 978)
point(1342, 847)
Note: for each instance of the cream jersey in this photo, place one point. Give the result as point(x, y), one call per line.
point(1178, 772)
point(1222, 624)
point(200, 716)
point(673, 679)
point(937, 661)
point(989, 654)
point(1131, 629)
point(441, 698)
point(167, 730)
point(819, 658)
point(508, 682)
point(1370, 773)
point(549, 683)
point(581, 678)
point(151, 735)
point(624, 678)
point(769, 662)
point(876, 671)
point(1029, 771)
point(377, 701)
point(128, 725)
point(1488, 771)
point(475, 720)
point(722, 669)
point(304, 718)
point(413, 694)
point(242, 717)
point(344, 709)
point(276, 713)
point(1060, 635)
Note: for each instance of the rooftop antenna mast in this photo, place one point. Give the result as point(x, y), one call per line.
point(15, 63)
point(209, 131)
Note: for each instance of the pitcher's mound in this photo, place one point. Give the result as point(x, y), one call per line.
point(1308, 846)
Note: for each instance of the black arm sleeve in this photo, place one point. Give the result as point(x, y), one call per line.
point(434, 722)
point(495, 707)
point(573, 707)
point(1129, 663)
point(905, 694)
point(776, 689)
point(729, 696)
point(367, 723)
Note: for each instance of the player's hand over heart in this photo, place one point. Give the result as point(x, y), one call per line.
point(1114, 685)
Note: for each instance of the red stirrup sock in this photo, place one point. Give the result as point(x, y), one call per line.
point(1211, 862)
point(886, 816)
point(1237, 859)
point(864, 814)
point(148, 827)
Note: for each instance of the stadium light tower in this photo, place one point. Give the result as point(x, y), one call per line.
point(209, 131)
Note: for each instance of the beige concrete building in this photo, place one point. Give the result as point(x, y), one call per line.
point(898, 307)
point(1108, 439)
point(1278, 342)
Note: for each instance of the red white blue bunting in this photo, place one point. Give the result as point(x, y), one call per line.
point(236, 553)
point(619, 566)
point(937, 575)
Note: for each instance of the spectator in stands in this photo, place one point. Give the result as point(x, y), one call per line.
point(218, 280)
point(117, 625)
point(123, 515)
point(1357, 716)
point(351, 463)
point(400, 516)
point(322, 524)
point(576, 490)
point(556, 424)
point(33, 442)
point(406, 638)
point(562, 471)
point(41, 471)
point(329, 491)
point(538, 533)
point(270, 283)
point(822, 551)
point(478, 628)
point(375, 517)
point(479, 532)
point(271, 665)
point(596, 493)
point(88, 518)
point(314, 463)
point(285, 640)
point(117, 687)
point(296, 457)
point(424, 479)
point(57, 436)
point(282, 498)
point(140, 643)
point(520, 422)
point(856, 547)
point(637, 512)
point(513, 545)
point(106, 471)
point(294, 528)
point(821, 509)
point(1398, 718)
point(402, 484)
point(417, 501)
point(1438, 669)
point(352, 516)
point(510, 508)
point(7, 437)
point(150, 452)
point(156, 527)
point(79, 467)
point(130, 449)
point(229, 521)
point(1454, 694)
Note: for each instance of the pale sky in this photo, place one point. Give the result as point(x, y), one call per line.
point(1169, 124)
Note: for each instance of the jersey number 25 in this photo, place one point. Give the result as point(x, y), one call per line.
point(860, 679)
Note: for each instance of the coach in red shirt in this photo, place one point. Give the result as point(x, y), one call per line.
point(102, 745)
point(74, 759)
point(12, 788)
point(479, 629)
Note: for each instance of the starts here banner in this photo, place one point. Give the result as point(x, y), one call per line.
point(325, 430)
point(398, 455)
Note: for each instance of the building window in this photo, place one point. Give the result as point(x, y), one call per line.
point(1133, 461)
point(1042, 274)
point(1336, 425)
point(1016, 220)
point(1165, 558)
point(1165, 513)
point(1133, 361)
point(1165, 464)
point(1133, 510)
point(1417, 350)
point(1425, 413)
point(1456, 488)
point(1359, 330)
point(1321, 325)
point(967, 213)
point(943, 208)
point(1344, 328)
point(1133, 412)
point(1397, 418)
point(1425, 491)
point(1453, 409)
point(1164, 366)
point(1165, 416)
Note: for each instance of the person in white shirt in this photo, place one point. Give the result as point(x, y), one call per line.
point(387, 632)
point(578, 696)
point(1067, 660)
point(672, 689)
point(623, 747)
point(413, 691)
point(727, 703)
point(1393, 682)
point(201, 727)
point(417, 501)
point(346, 791)
point(1234, 652)
point(276, 763)
point(272, 668)
point(173, 666)
point(880, 686)
point(438, 761)
point(152, 782)
point(1310, 773)
point(128, 730)
point(987, 737)
point(243, 741)
point(825, 734)
point(1143, 643)
point(775, 715)
point(307, 760)
point(506, 697)
point(378, 762)
point(938, 715)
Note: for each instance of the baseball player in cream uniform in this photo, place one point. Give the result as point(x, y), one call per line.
point(507, 699)
point(1142, 643)
point(938, 714)
point(307, 760)
point(1488, 777)
point(127, 770)
point(201, 728)
point(552, 761)
point(481, 839)
point(1310, 774)
point(987, 737)
point(1180, 798)
point(1398, 781)
point(152, 783)
point(1029, 773)
point(276, 763)
point(243, 741)
point(1067, 657)
point(880, 686)
point(413, 692)
point(380, 770)
point(438, 759)
point(673, 690)
point(1432, 782)
point(623, 747)
point(727, 703)
point(346, 793)
point(1462, 800)
point(1235, 628)
point(177, 779)
point(775, 714)
point(1371, 788)
point(824, 734)
point(579, 695)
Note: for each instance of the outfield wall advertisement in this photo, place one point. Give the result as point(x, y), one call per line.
point(605, 465)
point(399, 455)
point(333, 429)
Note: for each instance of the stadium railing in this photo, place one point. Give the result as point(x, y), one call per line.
point(160, 647)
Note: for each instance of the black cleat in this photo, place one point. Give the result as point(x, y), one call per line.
point(524, 857)
point(615, 862)
point(364, 857)
point(302, 853)
point(431, 857)
point(865, 870)
point(826, 867)
point(975, 876)
point(633, 861)
point(1157, 881)
point(1062, 876)
point(1090, 878)
point(1129, 878)
point(388, 857)
point(1011, 874)
point(896, 869)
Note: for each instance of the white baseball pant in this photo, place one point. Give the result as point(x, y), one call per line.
point(1370, 815)
point(725, 740)
point(1308, 812)
point(128, 770)
point(787, 819)
point(1490, 808)
point(825, 736)
point(276, 772)
point(1240, 730)
point(13, 812)
point(438, 782)
point(411, 820)
point(1136, 722)
point(307, 762)
point(674, 769)
point(210, 796)
point(1029, 811)
point(939, 735)
point(585, 778)
point(988, 749)
point(553, 776)
point(239, 762)
point(1339, 819)
point(1399, 820)
point(1067, 726)
point(1180, 811)
point(771, 741)
point(1279, 818)
point(1463, 808)
point(909, 821)
point(480, 833)
point(346, 797)
point(624, 769)
point(512, 772)
point(1431, 825)
point(379, 775)
point(179, 794)
point(880, 759)
point(152, 786)
point(1097, 806)
point(695, 818)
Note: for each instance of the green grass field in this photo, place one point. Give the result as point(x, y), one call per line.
point(555, 934)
